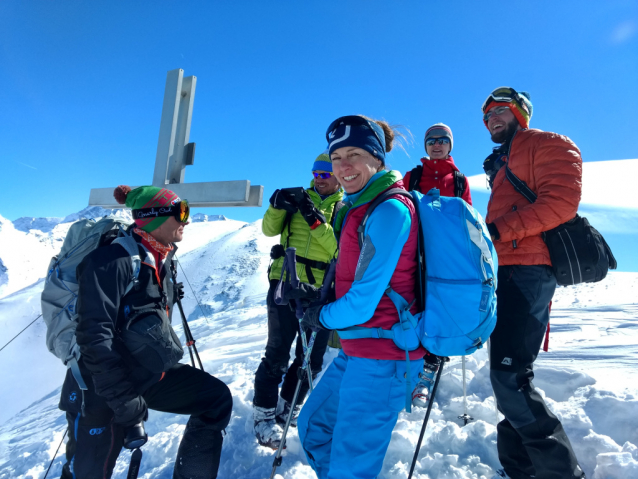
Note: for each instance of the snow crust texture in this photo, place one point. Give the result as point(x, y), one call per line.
point(589, 377)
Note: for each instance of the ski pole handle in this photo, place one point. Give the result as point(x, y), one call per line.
point(327, 281)
point(291, 264)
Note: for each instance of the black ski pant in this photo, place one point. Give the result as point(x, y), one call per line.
point(283, 327)
point(95, 441)
point(531, 441)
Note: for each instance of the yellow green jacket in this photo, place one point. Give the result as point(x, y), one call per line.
point(319, 244)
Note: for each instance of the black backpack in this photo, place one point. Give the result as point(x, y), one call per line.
point(417, 172)
point(579, 253)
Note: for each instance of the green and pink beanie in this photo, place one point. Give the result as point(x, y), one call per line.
point(146, 197)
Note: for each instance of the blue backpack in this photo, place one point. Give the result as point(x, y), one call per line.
point(456, 280)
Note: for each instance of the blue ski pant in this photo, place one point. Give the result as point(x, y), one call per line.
point(346, 425)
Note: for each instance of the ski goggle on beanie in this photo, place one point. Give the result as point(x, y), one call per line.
point(518, 102)
point(357, 131)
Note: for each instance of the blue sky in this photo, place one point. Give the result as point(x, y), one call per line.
point(83, 83)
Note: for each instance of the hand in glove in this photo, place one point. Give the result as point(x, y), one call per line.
point(306, 293)
point(310, 213)
point(179, 291)
point(282, 200)
point(129, 412)
point(310, 320)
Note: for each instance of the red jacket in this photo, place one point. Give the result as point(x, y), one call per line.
point(403, 282)
point(439, 174)
point(551, 166)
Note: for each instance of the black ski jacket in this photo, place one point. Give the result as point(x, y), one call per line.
point(103, 308)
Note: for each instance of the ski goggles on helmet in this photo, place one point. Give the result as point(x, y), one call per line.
point(503, 94)
point(180, 211)
point(324, 175)
point(440, 141)
point(357, 137)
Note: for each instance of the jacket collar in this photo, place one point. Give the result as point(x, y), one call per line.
point(380, 182)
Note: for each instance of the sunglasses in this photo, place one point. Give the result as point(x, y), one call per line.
point(180, 211)
point(499, 110)
point(440, 141)
point(353, 120)
point(324, 175)
point(502, 94)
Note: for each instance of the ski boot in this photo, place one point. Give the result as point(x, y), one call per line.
point(423, 389)
point(283, 410)
point(265, 428)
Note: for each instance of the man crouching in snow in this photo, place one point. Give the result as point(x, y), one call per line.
point(531, 440)
point(126, 371)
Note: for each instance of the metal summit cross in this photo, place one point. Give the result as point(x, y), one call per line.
point(174, 153)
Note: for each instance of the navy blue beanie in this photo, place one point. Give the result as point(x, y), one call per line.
point(359, 132)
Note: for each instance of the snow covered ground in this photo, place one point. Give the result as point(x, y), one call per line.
point(589, 376)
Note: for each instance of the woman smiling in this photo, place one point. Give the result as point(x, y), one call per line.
point(346, 424)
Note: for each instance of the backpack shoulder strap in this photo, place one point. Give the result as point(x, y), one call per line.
point(287, 221)
point(415, 178)
point(376, 202)
point(459, 184)
point(519, 185)
point(127, 242)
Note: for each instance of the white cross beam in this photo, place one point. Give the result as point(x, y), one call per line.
point(174, 153)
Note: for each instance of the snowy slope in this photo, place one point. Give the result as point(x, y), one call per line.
point(589, 377)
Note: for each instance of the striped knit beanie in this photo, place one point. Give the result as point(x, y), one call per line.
point(146, 197)
point(439, 130)
point(322, 163)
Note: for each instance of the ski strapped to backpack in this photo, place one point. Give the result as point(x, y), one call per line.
point(59, 296)
point(456, 280)
point(417, 173)
point(579, 253)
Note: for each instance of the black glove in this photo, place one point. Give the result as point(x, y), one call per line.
point(130, 412)
point(310, 319)
point(179, 291)
point(282, 200)
point(306, 293)
point(309, 212)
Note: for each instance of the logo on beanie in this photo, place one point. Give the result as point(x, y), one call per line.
point(152, 212)
point(345, 136)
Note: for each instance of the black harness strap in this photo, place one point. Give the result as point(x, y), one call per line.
point(417, 173)
point(459, 184)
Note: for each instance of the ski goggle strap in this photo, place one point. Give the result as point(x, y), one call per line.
point(357, 131)
point(180, 211)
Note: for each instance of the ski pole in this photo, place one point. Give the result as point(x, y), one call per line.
point(56, 452)
point(465, 417)
point(427, 416)
point(290, 262)
point(190, 340)
point(277, 460)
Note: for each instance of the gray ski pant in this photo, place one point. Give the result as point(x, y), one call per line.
point(531, 440)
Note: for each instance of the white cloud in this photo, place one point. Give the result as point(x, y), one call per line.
point(624, 32)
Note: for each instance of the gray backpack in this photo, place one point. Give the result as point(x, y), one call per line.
point(59, 297)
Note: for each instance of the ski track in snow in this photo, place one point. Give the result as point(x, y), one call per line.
point(589, 377)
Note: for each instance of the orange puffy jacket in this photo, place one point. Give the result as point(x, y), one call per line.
point(551, 166)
